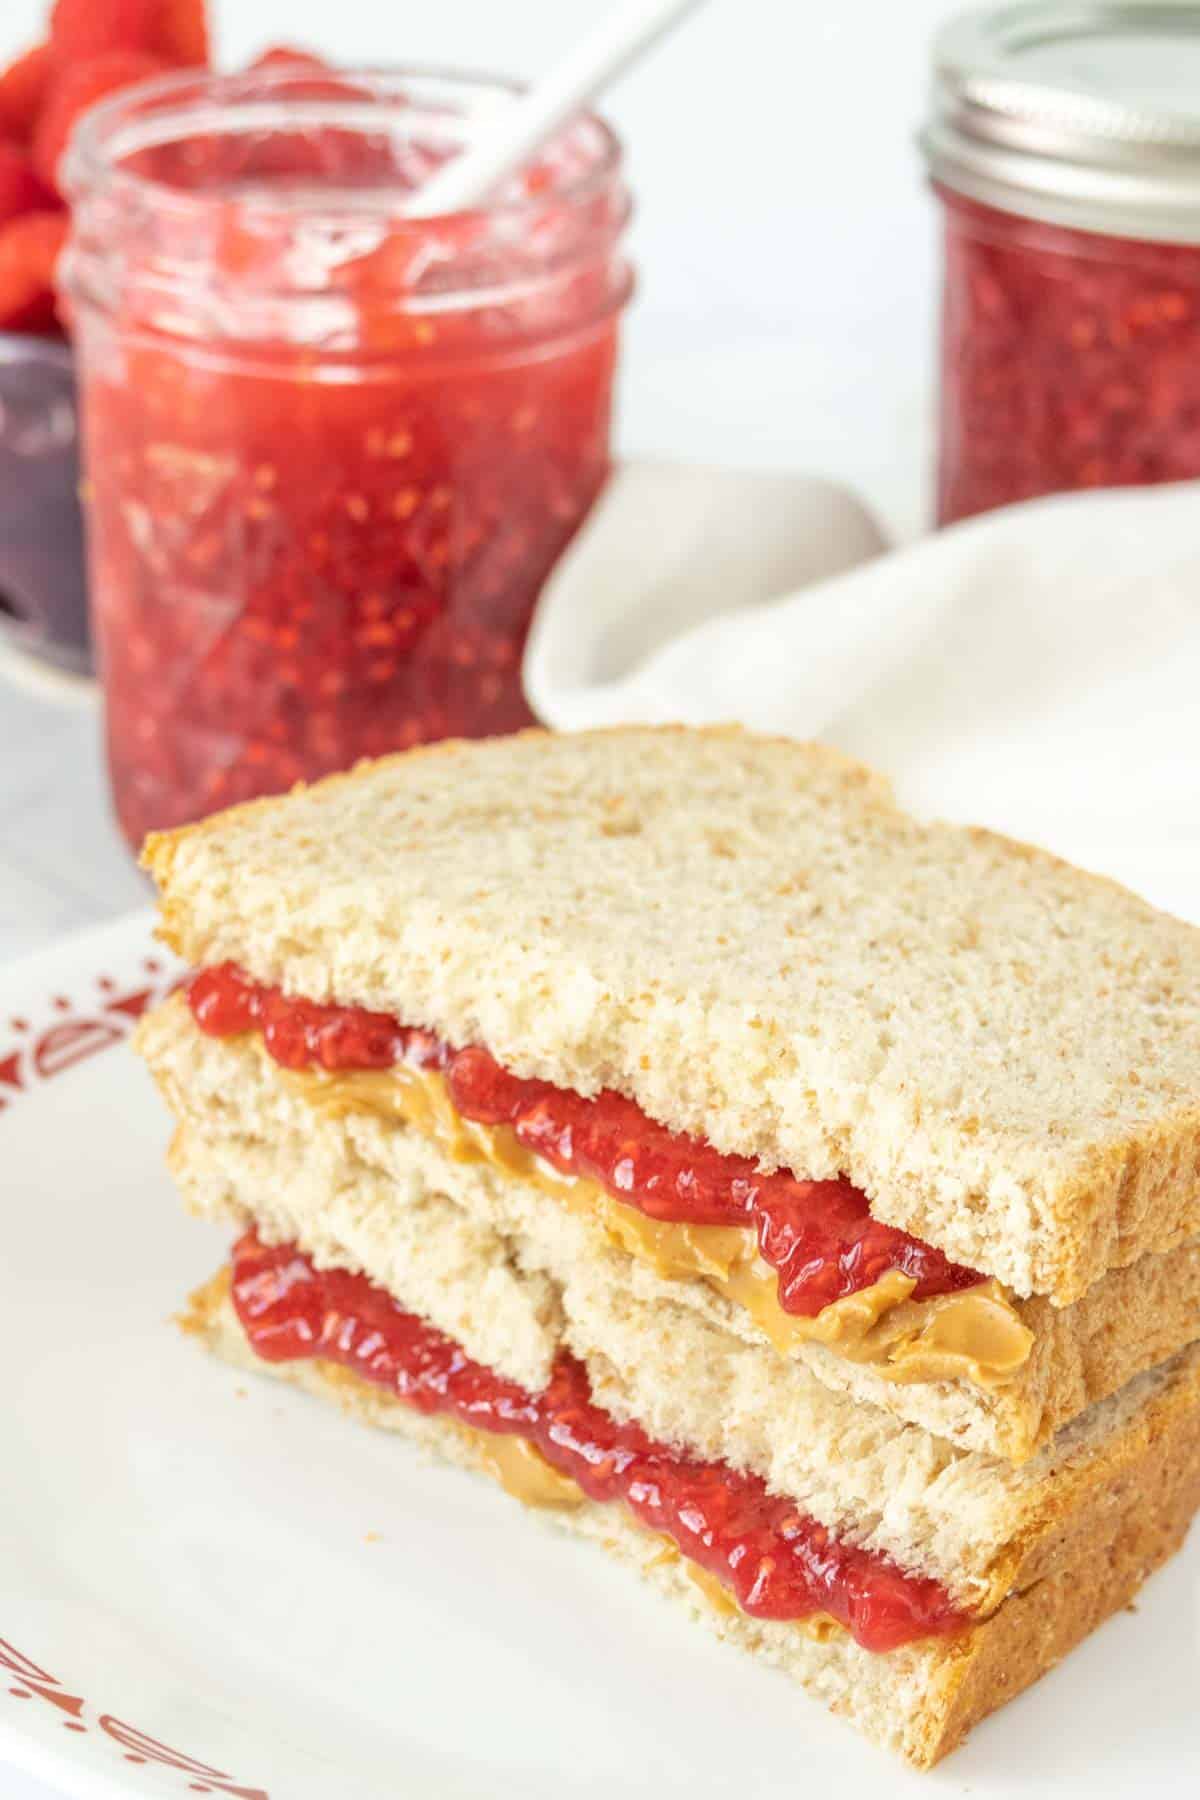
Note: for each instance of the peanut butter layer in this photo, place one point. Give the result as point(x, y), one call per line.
point(974, 1335)
point(523, 1471)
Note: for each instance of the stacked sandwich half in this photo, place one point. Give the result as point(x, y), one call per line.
point(801, 1199)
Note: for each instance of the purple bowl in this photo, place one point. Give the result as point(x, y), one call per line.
point(43, 588)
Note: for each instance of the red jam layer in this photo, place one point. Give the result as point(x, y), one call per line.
point(819, 1235)
point(1069, 360)
point(776, 1563)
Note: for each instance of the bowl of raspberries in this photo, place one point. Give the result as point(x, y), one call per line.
point(93, 48)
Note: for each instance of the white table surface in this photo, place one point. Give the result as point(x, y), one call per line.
point(785, 315)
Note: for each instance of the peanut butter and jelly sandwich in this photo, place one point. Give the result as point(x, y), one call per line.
point(801, 1198)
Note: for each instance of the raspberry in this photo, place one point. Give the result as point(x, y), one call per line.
point(29, 252)
point(176, 30)
point(181, 35)
point(23, 88)
point(21, 188)
point(76, 89)
point(81, 30)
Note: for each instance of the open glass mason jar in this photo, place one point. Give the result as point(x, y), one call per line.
point(1065, 146)
point(331, 452)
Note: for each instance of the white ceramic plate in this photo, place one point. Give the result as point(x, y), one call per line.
point(212, 1586)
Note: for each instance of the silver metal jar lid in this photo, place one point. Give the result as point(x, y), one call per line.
point(1080, 112)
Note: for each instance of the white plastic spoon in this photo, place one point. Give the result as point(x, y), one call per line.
point(518, 132)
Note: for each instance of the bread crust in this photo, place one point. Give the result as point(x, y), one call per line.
point(924, 1699)
point(1149, 1505)
point(1130, 1321)
point(1003, 1052)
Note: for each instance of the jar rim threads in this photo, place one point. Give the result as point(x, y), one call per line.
point(1057, 113)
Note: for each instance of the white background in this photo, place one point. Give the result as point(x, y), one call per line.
point(785, 315)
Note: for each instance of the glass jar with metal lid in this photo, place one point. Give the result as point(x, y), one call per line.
point(1064, 144)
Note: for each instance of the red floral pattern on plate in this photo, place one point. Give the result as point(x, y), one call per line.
point(39, 1053)
point(34, 1053)
point(32, 1682)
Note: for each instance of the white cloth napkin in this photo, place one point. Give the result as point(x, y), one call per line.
point(1036, 670)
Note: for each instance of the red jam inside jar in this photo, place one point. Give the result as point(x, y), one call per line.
point(1070, 360)
point(331, 452)
point(819, 1235)
point(776, 1562)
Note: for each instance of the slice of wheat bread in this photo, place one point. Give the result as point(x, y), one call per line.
point(920, 1701)
point(748, 937)
point(357, 1185)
